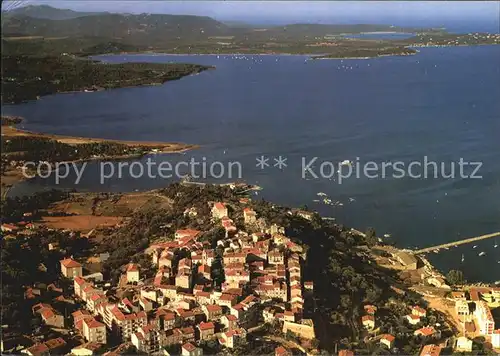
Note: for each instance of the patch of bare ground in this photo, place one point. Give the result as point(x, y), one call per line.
point(447, 307)
point(82, 223)
point(89, 211)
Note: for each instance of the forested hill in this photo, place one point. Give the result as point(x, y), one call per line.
point(50, 22)
point(46, 12)
point(117, 26)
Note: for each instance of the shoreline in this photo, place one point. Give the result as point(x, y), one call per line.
point(14, 175)
point(364, 58)
point(159, 53)
point(163, 147)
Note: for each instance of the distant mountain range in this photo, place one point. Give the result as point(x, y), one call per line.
point(50, 22)
point(47, 12)
point(45, 29)
point(44, 20)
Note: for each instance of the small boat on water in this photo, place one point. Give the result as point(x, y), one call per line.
point(474, 246)
point(387, 235)
point(463, 259)
point(321, 194)
point(346, 162)
point(495, 246)
point(436, 251)
point(482, 253)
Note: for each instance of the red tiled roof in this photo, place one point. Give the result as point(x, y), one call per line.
point(96, 297)
point(346, 353)
point(168, 316)
point(427, 331)
point(79, 324)
point(189, 347)
point(79, 280)
point(368, 317)
point(388, 337)
point(80, 313)
point(431, 350)
point(48, 313)
point(93, 346)
point(280, 351)
point(70, 263)
point(188, 330)
point(92, 324)
point(219, 206)
point(204, 269)
point(38, 349)
point(10, 226)
point(474, 295)
point(234, 291)
point(227, 297)
point(132, 267)
point(206, 326)
point(214, 308)
point(419, 309)
point(54, 343)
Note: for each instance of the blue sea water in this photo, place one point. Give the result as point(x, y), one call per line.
point(441, 103)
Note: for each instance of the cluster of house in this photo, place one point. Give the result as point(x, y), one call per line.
point(49, 347)
point(23, 227)
point(474, 312)
point(413, 318)
point(368, 321)
point(182, 306)
point(470, 38)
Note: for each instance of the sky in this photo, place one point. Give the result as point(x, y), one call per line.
point(409, 13)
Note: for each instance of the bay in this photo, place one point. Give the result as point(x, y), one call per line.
point(441, 104)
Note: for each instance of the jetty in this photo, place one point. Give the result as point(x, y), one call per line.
point(456, 243)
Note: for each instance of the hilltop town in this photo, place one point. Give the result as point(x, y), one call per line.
point(196, 270)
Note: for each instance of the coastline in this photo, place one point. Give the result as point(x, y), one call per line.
point(14, 175)
point(163, 147)
point(273, 53)
point(373, 57)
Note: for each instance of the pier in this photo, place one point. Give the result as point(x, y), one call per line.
point(456, 243)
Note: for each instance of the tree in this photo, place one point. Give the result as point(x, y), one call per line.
point(370, 233)
point(314, 343)
point(455, 277)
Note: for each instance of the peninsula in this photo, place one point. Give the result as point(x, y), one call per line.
point(208, 268)
point(366, 53)
point(29, 77)
point(19, 146)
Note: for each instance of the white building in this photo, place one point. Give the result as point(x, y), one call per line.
point(463, 344)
